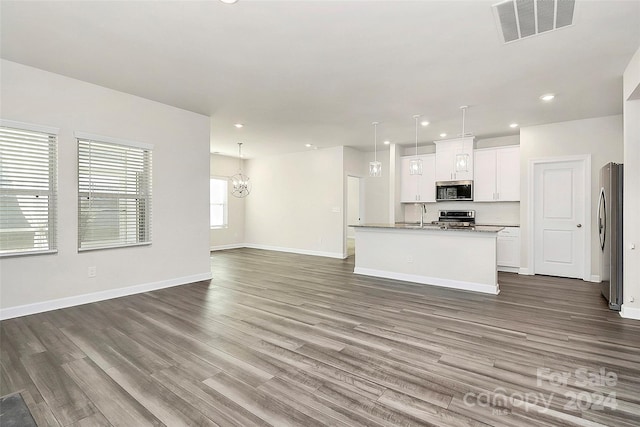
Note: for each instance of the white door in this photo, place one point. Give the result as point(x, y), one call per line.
point(559, 218)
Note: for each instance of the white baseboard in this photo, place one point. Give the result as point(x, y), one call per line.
point(595, 278)
point(225, 247)
point(39, 307)
point(509, 269)
point(525, 271)
point(433, 281)
point(630, 312)
point(338, 255)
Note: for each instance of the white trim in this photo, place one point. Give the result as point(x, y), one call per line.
point(525, 271)
point(101, 138)
point(295, 250)
point(595, 278)
point(586, 159)
point(508, 269)
point(39, 307)
point(225, 247)
point(432, 281)
point(630, 312)
point(28, 126)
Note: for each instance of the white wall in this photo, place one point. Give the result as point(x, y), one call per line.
point(601, 137)
point(377, 190)
point(631, 105)
point(233, 235)
point(297, 202)
point(180, 249)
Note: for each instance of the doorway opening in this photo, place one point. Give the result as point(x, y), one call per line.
point(355, 212)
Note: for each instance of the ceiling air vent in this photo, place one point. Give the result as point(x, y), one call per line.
point(518, 19)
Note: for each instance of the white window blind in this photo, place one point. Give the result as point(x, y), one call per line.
point(27, 190)
point(218, 202)
point(114, 194)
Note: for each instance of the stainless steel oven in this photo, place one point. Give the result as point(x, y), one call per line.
point(454, 190)
point(456, 219)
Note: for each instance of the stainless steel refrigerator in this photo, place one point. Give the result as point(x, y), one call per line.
point(610, 230)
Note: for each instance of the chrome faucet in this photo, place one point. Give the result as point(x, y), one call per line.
point(423, 210)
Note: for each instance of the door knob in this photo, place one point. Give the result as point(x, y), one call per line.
point(579, 225)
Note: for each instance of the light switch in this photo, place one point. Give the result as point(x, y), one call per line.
point(335, 209)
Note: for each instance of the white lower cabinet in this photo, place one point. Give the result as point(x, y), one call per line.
point(509, 249)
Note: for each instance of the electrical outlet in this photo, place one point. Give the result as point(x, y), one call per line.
point(91, 272)
point(409, 259)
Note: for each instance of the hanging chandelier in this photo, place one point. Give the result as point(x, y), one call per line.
point(462, 159)
point(415, 164)
point(241, 186)
point(375, 167)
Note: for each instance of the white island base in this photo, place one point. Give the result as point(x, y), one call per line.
point(459, 259)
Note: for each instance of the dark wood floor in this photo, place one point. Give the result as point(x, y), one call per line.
point(282, 339)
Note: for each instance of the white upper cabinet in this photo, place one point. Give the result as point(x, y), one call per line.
point(447, 153)
point(418, 188)
point(484, 182)
point(497, 174)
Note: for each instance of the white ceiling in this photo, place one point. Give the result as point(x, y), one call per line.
point(320, 72)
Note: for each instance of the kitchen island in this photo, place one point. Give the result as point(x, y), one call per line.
point(452, 257)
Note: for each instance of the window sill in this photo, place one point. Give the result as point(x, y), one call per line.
point(26, 253)
point(100, 248)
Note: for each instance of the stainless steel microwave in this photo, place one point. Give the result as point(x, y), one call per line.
point(454, 190)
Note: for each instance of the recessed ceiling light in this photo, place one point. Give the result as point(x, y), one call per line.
point(239, 125)
point(387, 142)
point(229, 1)
point(424, 123)
point(547, 97)
point(307, 145)
point(513, 125)
point(442, 135)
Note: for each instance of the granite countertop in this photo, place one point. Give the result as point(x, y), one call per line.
point(433, 227)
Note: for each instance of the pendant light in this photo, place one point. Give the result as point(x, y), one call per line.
point(415, 165)
point(462, 159)
point(241, 186)
point(375, 167)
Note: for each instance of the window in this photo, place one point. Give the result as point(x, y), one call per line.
point(114, 193)
point(218, 201)
point(27, 189)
